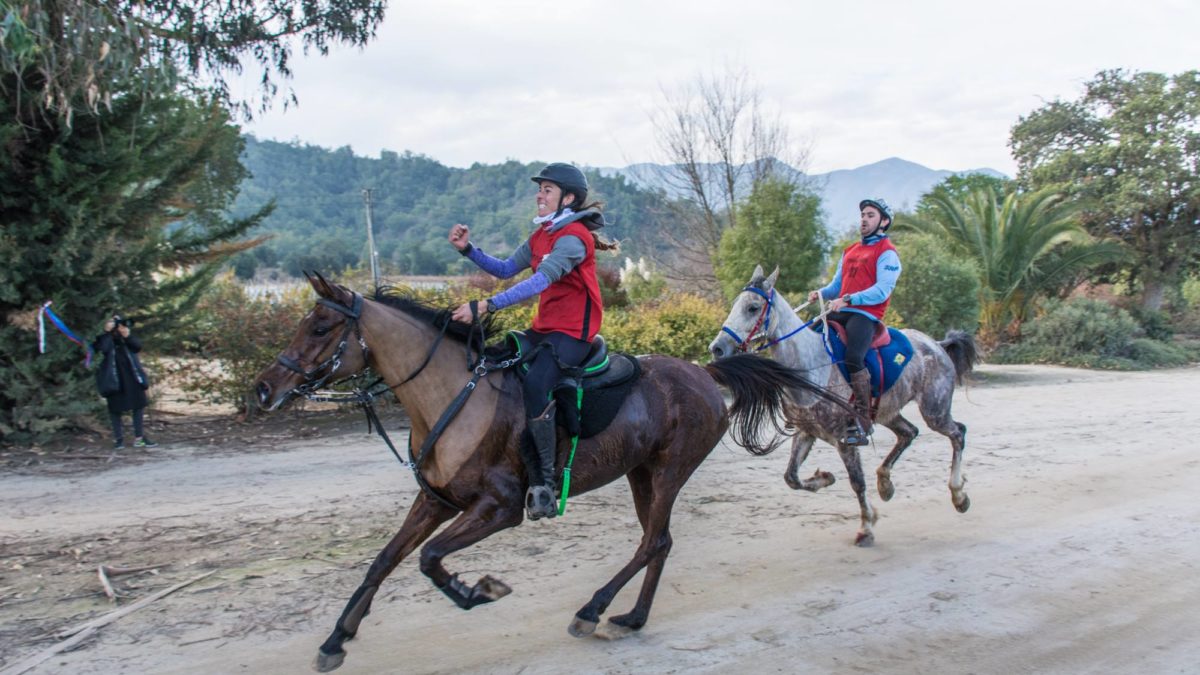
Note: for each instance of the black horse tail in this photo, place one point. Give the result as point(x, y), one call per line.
point(760, 389)
point(960, 347)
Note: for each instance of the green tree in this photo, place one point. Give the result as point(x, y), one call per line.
point(123, 213)
point(1131, 147)
point(938, 290)
point(1024, 244)
point(779, 223)
point(70, 57)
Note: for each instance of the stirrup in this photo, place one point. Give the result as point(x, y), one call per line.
point(854, 434)
point(539, 502)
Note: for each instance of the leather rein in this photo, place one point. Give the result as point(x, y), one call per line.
point(365, 396)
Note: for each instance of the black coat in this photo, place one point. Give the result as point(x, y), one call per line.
point(129, 391)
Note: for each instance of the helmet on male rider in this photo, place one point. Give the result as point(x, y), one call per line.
point(885, 211)
point(568, 177)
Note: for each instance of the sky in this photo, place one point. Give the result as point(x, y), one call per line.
point(936, 82)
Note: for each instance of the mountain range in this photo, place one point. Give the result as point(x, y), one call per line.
point(899, 181)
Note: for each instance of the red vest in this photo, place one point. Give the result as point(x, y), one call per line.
point(859, 264)
point(572, 304)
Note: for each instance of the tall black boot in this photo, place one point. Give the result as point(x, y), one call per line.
point(859, 432)
point(543, 429)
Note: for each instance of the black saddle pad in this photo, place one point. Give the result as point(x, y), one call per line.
point(602, 396)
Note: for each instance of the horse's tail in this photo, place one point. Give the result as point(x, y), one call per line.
point(760, 388)
point(960, 347)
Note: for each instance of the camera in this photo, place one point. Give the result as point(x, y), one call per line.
point(119, 320)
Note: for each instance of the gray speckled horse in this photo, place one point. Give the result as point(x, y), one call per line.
point(928, 379)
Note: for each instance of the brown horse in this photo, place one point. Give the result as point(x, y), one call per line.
point(928, 379)
point(672, 418)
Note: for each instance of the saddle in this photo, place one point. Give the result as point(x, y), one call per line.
point(888, 355)
point(589, 396)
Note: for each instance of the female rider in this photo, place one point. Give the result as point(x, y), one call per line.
point(562, 254)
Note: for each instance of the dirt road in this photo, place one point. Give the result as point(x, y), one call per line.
point(1079, 555)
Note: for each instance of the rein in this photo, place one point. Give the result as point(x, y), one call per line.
point(764, 321)
point(365, 397)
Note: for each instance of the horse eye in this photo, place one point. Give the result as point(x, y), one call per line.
point(753, 309)
point(320, 330)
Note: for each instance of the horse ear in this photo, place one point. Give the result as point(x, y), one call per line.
point(758, 274)
point(770, 281)
point(318, 283)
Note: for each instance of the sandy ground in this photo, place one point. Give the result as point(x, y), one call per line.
point(1079, 555)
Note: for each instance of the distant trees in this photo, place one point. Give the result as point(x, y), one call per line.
point(779, 223)
point(320, 220)
point(1129, 148)
point(718, 143)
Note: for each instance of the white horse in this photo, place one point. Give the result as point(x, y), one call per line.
point(761, 314)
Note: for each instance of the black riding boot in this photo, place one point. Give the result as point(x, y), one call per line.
point(858, 433)
point(539, 500)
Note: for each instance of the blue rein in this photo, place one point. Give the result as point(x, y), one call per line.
point(765, 319)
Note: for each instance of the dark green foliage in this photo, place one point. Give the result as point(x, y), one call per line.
point(1129, 149)
point(938, 290)
point(779, 224)
point(123, 213)
point(1090, 334)
point(320, 222)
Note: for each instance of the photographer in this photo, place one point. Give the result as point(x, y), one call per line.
point(121, 380)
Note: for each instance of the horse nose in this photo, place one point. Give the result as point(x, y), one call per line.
point(717, 350)
point(264, 393)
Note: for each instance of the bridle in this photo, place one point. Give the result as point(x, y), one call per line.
point(762, 325)
point(364, 396)
point(313, 378)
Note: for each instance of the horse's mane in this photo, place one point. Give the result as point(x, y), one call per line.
point(403, 300)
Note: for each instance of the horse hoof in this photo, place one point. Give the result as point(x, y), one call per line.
point(963, 505)
point(491, 589)
point(327, 662)
point(886, 489)
point(581, 627)
point(865, 540)
point(614, 631)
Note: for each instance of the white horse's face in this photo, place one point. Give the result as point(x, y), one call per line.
point(746, 317)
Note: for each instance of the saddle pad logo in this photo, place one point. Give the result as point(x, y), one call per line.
point(899, 359)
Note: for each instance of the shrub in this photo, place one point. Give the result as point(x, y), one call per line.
point(1089, 334)
point(679, 325)
point(237, 336)
point(937, 291)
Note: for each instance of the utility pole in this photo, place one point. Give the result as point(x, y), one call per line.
point(371, 238)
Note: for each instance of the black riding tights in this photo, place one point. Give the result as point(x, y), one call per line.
point(544, 372)
point(118, 434)
point(860, 330)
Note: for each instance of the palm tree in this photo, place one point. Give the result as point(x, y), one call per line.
point(1028, 245)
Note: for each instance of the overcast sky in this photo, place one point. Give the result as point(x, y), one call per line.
point(935, 82)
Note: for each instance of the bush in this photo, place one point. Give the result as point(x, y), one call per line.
point(237, 336)
point(1089, 334)
point(937, 291)
point(678, 325)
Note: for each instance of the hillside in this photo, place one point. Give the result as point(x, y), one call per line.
point(319, 221)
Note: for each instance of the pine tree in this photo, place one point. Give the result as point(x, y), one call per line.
point(121, 212)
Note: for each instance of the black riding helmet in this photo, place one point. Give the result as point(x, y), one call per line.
point(567, 177)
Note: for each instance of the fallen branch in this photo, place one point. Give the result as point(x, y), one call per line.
point(113, 616)
point(120, 571)
point(33, 661)
point(108, 589)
